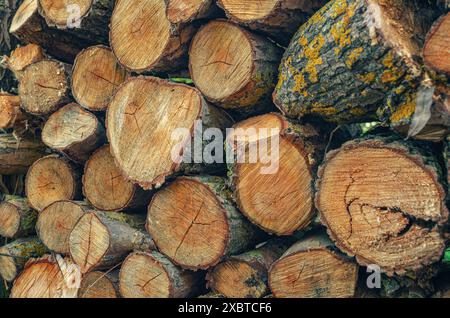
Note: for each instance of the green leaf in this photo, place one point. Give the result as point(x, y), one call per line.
point(447, 256)
point(183, 80)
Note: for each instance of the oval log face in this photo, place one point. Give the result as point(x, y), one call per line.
point(142, 276)
point(25, 11)
point(436, 52)
point(142, 119)
point(221, 60)
point(57, 12)
point(246, 10)
point(371, 212)
point(201, 235)
point(9, 219)
point(139, 33)
point(183, 10)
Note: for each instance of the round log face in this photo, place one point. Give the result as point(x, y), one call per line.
point(26, 10)
point(436, 52)
point(9, 219)
point(179, 11)
point(39, 279)
point(313, 274)
point(237, 279)
point(245, 10)
point(146, 111)
point(96, 285)
point(96, 75)
point(88, 242)
point(221, 60)
point(9, 110)
point(201, 235)
point(139, 33)
point(103, 184)
point(56, 222)
point(8, 268)
point(49, 179)
point(57, 12)
point(369, 198)
point(142, 276)
point(43, 87)
point(69, 125)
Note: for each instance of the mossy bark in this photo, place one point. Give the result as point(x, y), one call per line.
point(342, 66)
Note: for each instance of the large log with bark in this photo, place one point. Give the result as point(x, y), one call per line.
point(151, 124)
point(100, 285)
point(14, 255)
point(56, 222)
point(234, 68)
point(30, 27)
point(246, 275)
point(275, 189)
point(88, 20)
point(387, 216)
point(162, 45)
point(279, 19)
point(105, 187)
point(311, 268)
point(354, 56)
point(152, 275)
point(51, 179)
point(74, 132)
point(100, 240)
point(95, 77)
point(18, 154)
point(7, 43)
point(209, 226)
point(17, 219)
point(44, 87)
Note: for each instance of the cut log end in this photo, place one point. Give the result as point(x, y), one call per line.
point(96, 75)
point(237, 279)
point(89, 241)
point(26, 11)
point(23, 56)
point(57, 12)
point(137, 116)
point(56, 222)
point(9, 219)
point(142, 276)
point(249, 10)
point(105, 187)
point(368, 214)
point(184, 11)
point(221, 73)
point(316, 273)
point(51, 179)
point(43, 87)
point(73, 131)
point(10, 111)
point(288, 205)
point(98, 285)
point(436, 52)
point(201, 237)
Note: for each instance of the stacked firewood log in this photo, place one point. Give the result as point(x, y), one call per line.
point(180, 148)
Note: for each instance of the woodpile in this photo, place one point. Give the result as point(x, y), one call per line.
point(224, 148)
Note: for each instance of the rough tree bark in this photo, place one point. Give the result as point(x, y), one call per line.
point(100, 240)
point(17, 155)
point(361, 199)
point(74, 132)
point(209, 226)
point(246, 275)
point(371, 46)
point(161, 44)
point(161, 119)
point(311, 268)
point(52, 179)
point(233, 67)
point(14, 255)
point(279, 19)
point(95, 77)
point(105, 187)
point(277, 194)
point(152, 275)
point(17, 219)
point(56, 222)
